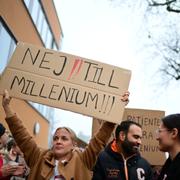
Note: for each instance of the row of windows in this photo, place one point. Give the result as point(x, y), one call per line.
point(37, 14)
point(46, 111)
point(7, 47)
point(8, 43)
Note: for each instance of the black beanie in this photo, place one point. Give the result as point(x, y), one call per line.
point(2, 129)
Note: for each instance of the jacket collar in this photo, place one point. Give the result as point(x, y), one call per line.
point(49, 158)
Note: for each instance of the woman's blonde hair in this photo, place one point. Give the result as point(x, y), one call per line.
point(71, 132)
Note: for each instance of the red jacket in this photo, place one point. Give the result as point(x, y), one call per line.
point(1, 164)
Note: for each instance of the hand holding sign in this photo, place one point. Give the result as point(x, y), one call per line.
point(6, 104)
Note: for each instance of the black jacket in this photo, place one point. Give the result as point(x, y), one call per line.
point(111, 166)
point(171, 169)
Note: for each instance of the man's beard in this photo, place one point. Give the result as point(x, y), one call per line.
point(129, 148)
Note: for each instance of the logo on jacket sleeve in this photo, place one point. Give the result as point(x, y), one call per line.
point(112, 173)
point(140, 174)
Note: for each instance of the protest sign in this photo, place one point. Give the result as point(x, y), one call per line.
point(66, 81)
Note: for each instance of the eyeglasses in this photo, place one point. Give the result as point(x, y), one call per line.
point(158, 131)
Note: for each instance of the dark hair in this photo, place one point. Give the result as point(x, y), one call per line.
point(172, 121)
point(124, 126)
point(2, 129)
point(11, 143)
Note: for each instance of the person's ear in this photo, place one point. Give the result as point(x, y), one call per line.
point(122, 136)
point(174, 132)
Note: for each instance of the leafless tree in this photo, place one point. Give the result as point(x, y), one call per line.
point(161, 18)
point(168, 40)
point(171, 56)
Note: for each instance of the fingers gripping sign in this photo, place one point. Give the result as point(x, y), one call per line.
point(6, 104)
point(125, 97)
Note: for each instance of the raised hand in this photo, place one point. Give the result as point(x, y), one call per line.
point(125, 97)
point(6, 104)
point(20, 170)
point(8, 170)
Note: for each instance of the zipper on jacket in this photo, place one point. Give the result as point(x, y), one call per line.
point(126, 169)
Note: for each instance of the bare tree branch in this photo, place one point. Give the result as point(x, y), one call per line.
point(171, 5)
point(156, 3)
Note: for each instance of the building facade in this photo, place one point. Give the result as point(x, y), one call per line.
point(35, 22)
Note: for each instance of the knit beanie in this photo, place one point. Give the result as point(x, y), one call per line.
point(2, 129)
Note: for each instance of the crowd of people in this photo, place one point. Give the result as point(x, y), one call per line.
point(12, 163)
point(21, 158)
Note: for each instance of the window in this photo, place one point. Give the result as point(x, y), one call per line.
point(35, 12)
point(41, 23)
point(39, 18)
point(46, 111)
point(44, 30)
point(7, 45)
point(27, 2)
point(49, 40)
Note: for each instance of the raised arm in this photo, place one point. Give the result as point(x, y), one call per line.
point(98, 142)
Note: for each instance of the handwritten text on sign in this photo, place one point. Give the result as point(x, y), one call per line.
point(66, 81)
point(150, 120)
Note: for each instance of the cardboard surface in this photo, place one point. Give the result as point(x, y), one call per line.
point(150, 121)
point(66, 81)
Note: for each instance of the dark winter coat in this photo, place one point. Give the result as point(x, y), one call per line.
point(171, 169)
point(111, 166)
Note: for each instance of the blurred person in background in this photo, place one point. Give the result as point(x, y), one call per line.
point(14, 154)
point(6, 170)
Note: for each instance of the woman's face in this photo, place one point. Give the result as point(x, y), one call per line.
point(164, 136)
point(62, 143)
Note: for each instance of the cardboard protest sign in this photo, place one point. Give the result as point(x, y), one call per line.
point(66, 81)
point(150, 121)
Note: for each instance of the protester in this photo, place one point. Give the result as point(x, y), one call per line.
point(64, 160)
point(6, 170)
point(3, 136)
point(121, 160)
point(15, 156)
point(168, 136)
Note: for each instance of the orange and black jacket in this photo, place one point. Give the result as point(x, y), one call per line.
point(112, 166)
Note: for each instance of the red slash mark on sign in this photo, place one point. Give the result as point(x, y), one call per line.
point(76, 68)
